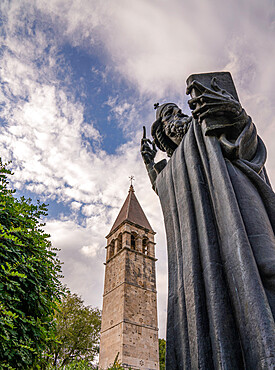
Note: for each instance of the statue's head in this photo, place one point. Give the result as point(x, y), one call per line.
point(168, 129)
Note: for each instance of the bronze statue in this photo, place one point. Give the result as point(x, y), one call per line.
point(219, 212)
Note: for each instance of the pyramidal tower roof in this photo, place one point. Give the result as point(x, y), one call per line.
point(131, 211)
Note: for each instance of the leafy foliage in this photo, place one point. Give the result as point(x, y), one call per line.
point(162, 353)
point(85, 365)
point(74, 365)
point(29, 285)
point(77, 328)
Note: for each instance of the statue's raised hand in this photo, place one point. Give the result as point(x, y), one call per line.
point(148, 149)
point(213, 102)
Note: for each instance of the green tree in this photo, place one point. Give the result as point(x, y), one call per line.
point(162, 353)
point(29, 279)
point(77, 332)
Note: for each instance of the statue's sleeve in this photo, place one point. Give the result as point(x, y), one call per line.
point(153, 170)
point(241, 142)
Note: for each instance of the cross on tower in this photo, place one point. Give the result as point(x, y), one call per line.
point(131, 179)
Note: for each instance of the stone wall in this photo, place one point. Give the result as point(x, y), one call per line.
point(139, 347)
point(110, 345)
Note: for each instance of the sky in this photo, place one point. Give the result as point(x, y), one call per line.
point(79, 79)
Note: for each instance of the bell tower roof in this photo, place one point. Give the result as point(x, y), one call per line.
point(131, 211)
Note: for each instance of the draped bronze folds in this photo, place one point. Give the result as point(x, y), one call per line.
point(219, 216)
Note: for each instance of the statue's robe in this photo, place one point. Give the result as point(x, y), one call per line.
point(219, 213)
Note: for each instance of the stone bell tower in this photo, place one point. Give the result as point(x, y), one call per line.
point(129, 314)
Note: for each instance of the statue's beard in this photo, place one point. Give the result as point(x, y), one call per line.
point(176, 128)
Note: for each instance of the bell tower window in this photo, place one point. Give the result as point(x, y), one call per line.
point(145, 246)
point(119, 242)
point(133, 242)
point(112, 249)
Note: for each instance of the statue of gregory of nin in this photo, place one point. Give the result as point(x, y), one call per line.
point(219, 213)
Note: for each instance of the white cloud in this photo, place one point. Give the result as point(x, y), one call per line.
point(89, 250)
point(83, 268)
point(75, 206)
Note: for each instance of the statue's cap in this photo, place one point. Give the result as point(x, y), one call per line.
point(159, 108)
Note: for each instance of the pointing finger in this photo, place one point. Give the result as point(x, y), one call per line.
point(144, 132)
